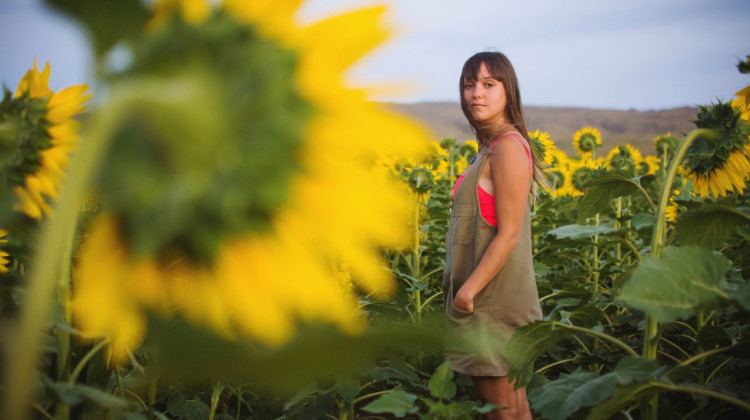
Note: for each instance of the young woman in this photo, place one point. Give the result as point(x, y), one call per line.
point(489, 281)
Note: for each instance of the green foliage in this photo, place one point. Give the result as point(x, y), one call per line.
point(441, 383)
point(579, 231)
point(602, 189)
point(677, 283)
point(23, 136)
point(709, 152)
point(187, 409)
point(397, 402)
point(711, 225)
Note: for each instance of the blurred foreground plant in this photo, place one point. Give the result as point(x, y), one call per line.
point(233, 172)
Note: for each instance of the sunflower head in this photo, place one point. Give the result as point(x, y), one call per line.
point(37, 136)
point(625, 157)
point(582, 171)
point(587, 140)
point(543, 146)
point(649, 165)
point(239, 168)
point(666, 145)
point(742, 103)
point(718, 164)
point(228, 158)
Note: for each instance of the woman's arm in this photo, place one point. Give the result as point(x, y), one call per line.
point(511, 179)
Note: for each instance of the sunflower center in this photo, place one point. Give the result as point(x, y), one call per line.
point(581, 176)
point(588, 142)
point(182, 190)
point(623, 160)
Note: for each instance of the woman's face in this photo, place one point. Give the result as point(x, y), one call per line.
point(485, 98)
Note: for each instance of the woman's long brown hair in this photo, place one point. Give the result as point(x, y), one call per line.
point(501, 70)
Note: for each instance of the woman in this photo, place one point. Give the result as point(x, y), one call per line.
point(489, 281)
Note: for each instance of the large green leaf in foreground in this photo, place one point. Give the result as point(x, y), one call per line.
point(710, 225)
point(676, 283)
point(563, 397)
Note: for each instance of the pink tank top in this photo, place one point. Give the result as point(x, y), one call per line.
point(486, 200)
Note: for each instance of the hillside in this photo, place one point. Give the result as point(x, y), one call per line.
point(637, 128)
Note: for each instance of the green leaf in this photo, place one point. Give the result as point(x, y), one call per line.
point(742, 296)
point(710, 225)
point(439, 410)
point(107, 22)
point(599, 192)
point(639, 221)
point(677, 283)
point(441, 382)
point(712, 337)
point(553, 400)
point(188, 409)
point(586, 316)
point(579, 231)
point(76, 393)
point(304, 392)
point(398, 402)
point(527, 344)
point(347, 389)
point(561, 398)
point(623, 397)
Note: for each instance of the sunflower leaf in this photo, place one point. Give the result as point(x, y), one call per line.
point(561, 398)
point(441, 383)
point(676, 283)
point(579, 231)
point(601, 190)
point(397, 402)
point(710, 225)
point(527, 344)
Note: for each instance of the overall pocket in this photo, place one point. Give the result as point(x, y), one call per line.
point(457, 317)
point(463, 224)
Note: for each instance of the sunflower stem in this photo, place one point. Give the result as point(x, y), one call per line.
point(650, 341)
point(62, 410)
point(25, 349)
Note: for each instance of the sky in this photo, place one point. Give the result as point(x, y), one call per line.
point(606, 54)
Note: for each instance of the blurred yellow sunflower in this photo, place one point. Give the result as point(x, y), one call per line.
point(649, 165)
point(260, 284)
point(742, 102)
point(543, 146)
point(722, 180)
point(586, 141)
point(666, 146)
point(3, 255)
point(191, 11)
point(581, 170)
point(624, 157)
point(48, 135)
point(671, 210)
point(720, 164)
point(560, 174)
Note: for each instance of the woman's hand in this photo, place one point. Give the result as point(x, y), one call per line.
point(463, 301)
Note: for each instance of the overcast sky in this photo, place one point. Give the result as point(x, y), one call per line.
point(634, 54)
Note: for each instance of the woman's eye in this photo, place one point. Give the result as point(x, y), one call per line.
point(468, 86)
point(489, 85)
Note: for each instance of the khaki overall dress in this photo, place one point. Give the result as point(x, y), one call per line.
point(510, 299)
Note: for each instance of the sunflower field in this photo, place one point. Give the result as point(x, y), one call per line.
point(221, 228)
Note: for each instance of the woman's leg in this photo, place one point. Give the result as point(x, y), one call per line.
point(497, 390)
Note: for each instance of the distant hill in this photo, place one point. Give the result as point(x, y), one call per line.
point(637, 128)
